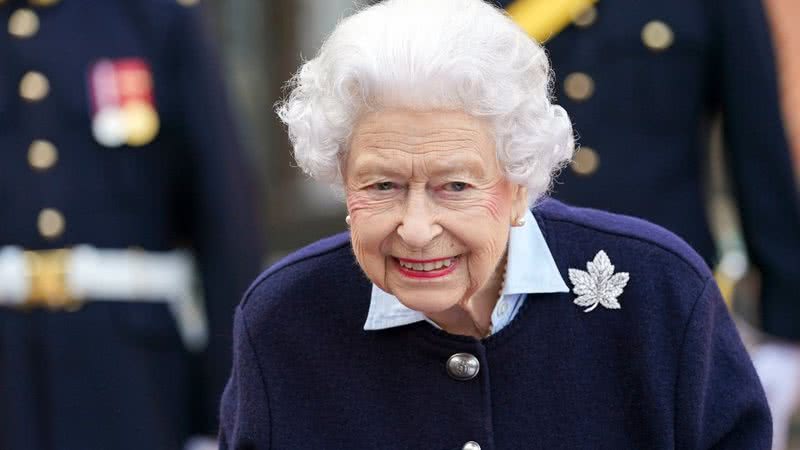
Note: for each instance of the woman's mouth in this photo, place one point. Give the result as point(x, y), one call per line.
point(430, 268)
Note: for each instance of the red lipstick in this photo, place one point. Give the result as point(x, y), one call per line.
point(437, 273)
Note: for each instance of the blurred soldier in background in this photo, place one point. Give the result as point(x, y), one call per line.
point(643, 81)
point(119, 168)
point(779, 362)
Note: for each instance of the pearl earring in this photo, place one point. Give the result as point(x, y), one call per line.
point(519, 222)
point(347, 219)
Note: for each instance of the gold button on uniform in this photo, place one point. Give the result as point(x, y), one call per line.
point(34, 86)
point(579, 86)
point(42, 154)
point(585, 161)
point(657, 36)
point(23, 23)
point(51, 223)
point(586, 18)
point(188, 2)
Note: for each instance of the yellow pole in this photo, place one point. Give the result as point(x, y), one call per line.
point(543, 19)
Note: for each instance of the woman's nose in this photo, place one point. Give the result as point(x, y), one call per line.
point(419, 225)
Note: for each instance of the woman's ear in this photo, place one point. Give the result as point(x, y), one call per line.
point(519, 205)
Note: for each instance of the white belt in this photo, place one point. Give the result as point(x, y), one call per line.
point(61, 279)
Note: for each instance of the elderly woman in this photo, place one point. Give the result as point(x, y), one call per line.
point(452, 316)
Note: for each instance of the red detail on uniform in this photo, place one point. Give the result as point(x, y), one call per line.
point(114, 83)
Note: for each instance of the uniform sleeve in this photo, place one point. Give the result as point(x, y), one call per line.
point(244, 414)
point(719, 401)
point(760, 161)
point(219, 205)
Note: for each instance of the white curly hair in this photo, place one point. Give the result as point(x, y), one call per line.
point(430, 55)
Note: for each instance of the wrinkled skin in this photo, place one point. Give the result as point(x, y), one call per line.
point(426, 186)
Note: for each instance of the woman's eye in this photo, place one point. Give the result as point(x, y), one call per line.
point(384, 186)
point(456, 186)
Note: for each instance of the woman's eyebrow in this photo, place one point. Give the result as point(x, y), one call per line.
point(375, 164)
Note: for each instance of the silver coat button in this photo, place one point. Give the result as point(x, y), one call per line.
point(471, 445)
point(463, 366)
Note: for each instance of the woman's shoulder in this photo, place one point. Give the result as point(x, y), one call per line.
point(644, 280)
point(297, 262)
point(315, 280)
point(630, 237)
point(661, 267)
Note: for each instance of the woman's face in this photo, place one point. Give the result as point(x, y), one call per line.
point(430, 208)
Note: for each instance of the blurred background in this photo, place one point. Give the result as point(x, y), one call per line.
point(262, 45)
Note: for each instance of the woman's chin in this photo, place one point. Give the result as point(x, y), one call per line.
point(431, 303)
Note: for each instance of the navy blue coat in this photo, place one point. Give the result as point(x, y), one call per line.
point(666, 371)
point(114, 375)
point(649, 119)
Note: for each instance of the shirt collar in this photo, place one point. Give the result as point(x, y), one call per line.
point(531, 270)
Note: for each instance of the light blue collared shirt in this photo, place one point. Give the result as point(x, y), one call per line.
point(530, 270)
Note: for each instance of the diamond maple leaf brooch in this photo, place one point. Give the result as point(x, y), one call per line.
point(600, 285)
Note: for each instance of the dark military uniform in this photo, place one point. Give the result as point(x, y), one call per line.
point(641, 81)
point(116, 375)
